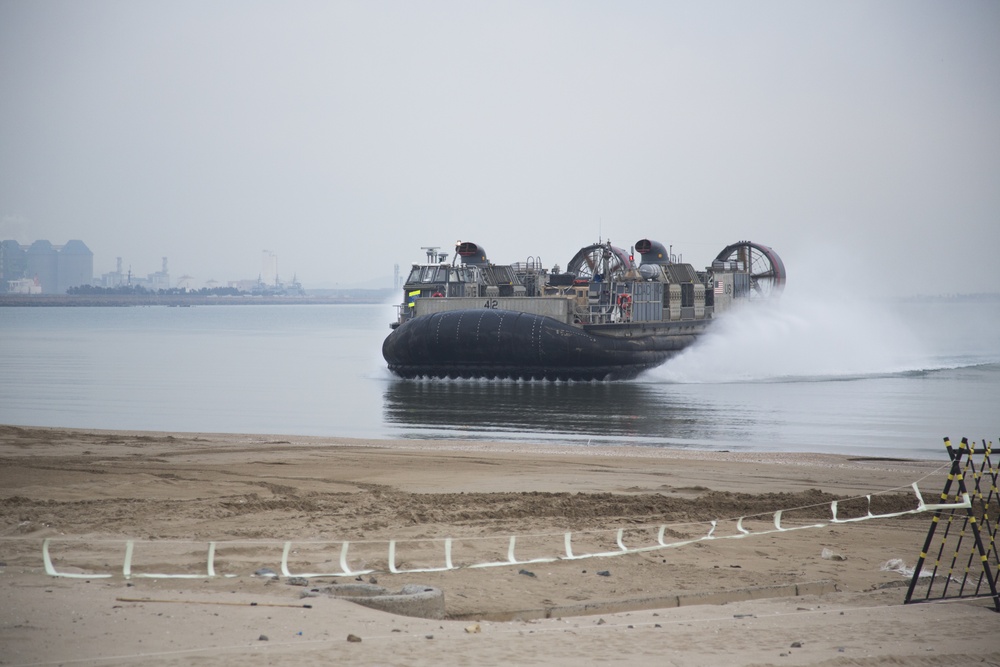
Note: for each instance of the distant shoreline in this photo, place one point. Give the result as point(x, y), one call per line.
point(330, 297)
point(177, 300)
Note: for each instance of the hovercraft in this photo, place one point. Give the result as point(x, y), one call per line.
point(604, 318)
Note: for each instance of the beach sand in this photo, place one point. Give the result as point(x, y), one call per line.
point(817, 595)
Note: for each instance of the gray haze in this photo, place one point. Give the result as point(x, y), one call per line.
point(343, 136)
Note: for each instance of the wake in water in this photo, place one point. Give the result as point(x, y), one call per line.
point(795, 339)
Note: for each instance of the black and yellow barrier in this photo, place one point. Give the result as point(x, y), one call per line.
point(967, 564)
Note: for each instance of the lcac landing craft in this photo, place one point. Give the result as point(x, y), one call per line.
point(604, 318)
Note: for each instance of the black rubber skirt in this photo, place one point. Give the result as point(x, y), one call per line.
point(483, 343)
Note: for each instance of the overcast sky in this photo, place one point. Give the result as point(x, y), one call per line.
point(343, 136)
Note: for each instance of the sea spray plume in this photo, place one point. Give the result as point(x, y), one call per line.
point(798, 338)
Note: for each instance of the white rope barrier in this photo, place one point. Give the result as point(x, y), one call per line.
point(447, 561)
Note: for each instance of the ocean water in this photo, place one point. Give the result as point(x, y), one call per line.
point(843, 376)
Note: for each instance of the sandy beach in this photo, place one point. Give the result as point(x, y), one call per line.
point(512, 532)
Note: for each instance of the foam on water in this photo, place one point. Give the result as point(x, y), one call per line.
point(799, 340)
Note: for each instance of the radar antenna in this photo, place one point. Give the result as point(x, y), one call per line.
point(433, 256)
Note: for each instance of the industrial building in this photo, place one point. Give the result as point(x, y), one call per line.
point(153, 281)
point(44, 267)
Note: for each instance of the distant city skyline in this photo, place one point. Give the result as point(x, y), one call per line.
point(124, 273)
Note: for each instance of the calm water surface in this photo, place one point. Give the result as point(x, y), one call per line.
point(871, 379)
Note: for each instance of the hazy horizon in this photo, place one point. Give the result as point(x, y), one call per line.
point(859, 140)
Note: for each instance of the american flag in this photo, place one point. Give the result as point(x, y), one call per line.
point(718, 287)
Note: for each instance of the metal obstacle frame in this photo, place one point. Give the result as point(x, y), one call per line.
point(973, 581)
